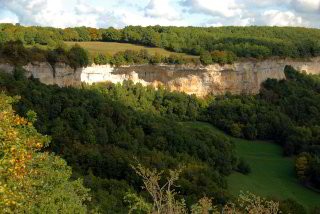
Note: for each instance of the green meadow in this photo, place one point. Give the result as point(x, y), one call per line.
point(272, 174)
point(114, 47)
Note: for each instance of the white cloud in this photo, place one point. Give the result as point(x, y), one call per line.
point(82, 7)
point(119, 13)
point(45, 12)
point(9, 20)
point(279, 18)
point(306, 5)
point(263, 3)
point(161, 9)
point(226, 8)
point(121, 18)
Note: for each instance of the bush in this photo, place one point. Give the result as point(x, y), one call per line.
point(243, 167)
point(205, 58)
point(78, 57)
point(290, 206)
point(316, 210)
point(223, 57)
point(15, 53)
point(102, 59)
point(19, 73)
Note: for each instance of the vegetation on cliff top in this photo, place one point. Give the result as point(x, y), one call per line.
point(15, 53)
point(254, 41)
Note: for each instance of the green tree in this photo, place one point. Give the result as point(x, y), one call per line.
point(4, 37)
point(32, 181)
point(78, 57)
point(205, 58)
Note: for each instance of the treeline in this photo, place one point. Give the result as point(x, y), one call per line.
point(15, 53)
point(285, 111)
point(253, 41)
point(129, 57)
point(99, 129)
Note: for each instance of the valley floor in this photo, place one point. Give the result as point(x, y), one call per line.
point(272, 174)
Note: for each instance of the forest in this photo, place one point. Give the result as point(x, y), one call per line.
point(232, 42)
point(97, 133)
point(100, 130)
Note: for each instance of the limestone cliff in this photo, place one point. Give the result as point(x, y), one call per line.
point(240, 77)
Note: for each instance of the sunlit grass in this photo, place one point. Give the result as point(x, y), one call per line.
point(114, 47)
point(272, 174)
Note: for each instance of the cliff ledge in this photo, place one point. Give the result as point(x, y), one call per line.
point(240, 77)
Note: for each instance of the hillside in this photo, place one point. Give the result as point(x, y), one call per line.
point(253, 41)
point(99, 128)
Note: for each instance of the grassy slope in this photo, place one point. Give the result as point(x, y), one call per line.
point(272, 174)
point(114, 47)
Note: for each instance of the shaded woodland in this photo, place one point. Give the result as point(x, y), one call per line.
point(99, 129)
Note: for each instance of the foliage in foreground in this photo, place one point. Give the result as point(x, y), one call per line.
point(164, 197)
point(32, 181)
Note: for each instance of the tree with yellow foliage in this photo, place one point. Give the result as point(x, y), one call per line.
point(302, 166)
point(32, 181)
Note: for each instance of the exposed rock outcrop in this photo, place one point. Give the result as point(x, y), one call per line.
point(240, 77)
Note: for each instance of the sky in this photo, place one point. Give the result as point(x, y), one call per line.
point(121, 13)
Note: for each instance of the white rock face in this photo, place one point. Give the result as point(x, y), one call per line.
point(104, 73)
point(240, 77)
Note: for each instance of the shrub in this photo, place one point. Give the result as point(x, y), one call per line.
point(205, 58)
point(290, 206)
point(243, 167)
point(19, 73)
point(223, 57)
point(316, 210)
point(78, 57)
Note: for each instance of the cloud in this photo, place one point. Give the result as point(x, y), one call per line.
point(9, 20)
point(119, 13)
point(226, 8)
point(122, 18)
point(263, 3)
point(279, 18)
point(161, 9)
point(306, 5)
point(83, 8)
point(46, 13)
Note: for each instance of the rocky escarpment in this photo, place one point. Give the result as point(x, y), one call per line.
point(240, 77)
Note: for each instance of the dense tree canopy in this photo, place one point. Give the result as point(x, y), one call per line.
point(253, 41)
point(285, 111)
point(98, 129)
point(15, 53)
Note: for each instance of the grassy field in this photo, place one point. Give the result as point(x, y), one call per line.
point(272, 174)
point(114, 47)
